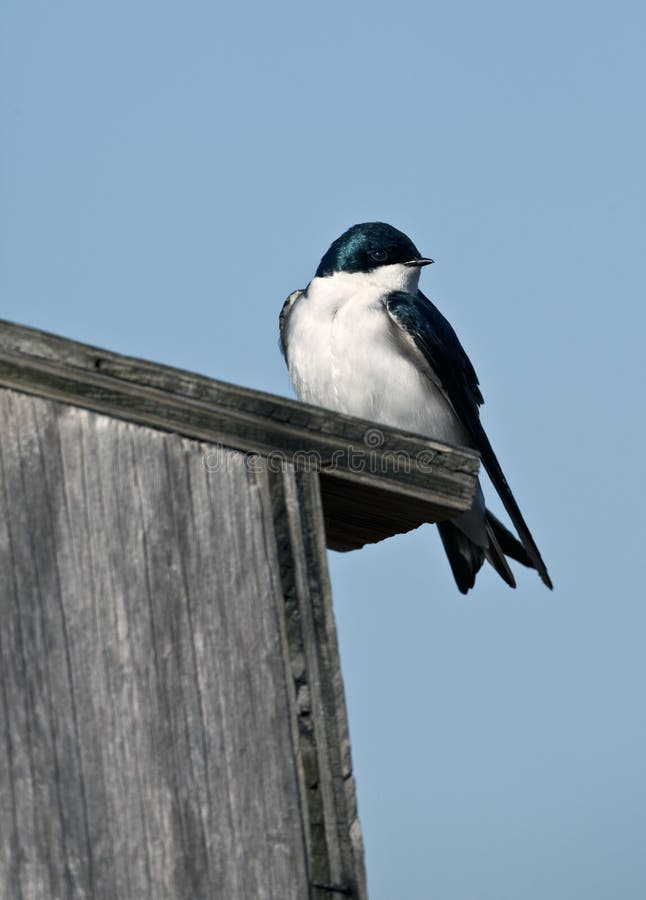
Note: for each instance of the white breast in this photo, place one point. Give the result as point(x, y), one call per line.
point(345, 353)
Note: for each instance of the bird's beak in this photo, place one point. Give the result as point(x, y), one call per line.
point(419, 262)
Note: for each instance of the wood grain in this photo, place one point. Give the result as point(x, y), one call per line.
point(367, 468)
point(148, 701)
point(332, 829)
point(171, 703)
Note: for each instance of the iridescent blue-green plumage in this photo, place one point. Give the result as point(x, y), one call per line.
point(364, 247)
point(439, 344)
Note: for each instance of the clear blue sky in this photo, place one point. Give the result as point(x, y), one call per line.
point(170, 171)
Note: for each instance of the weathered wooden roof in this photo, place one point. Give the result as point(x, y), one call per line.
point(375, 481)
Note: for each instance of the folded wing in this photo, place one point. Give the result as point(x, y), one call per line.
point(419, 320)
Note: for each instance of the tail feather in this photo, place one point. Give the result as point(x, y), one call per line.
point(496, 557)
point(465, 557)
point(509, 544)
point(499, 481)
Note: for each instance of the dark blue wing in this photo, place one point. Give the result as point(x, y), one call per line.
point(440, 347)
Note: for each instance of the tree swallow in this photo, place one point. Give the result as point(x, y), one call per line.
point(363, 339)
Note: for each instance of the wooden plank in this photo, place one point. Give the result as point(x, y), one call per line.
point(352, 452)
point(332, 828)
point(147, 705)
point(371, 511)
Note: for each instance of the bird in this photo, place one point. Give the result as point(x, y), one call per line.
point(362, 339)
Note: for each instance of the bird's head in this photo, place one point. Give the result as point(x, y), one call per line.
point(374, 247)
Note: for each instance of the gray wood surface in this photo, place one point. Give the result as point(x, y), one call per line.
point(378, 481)
point(171, 703)
point(171, 710)
point(332, 829)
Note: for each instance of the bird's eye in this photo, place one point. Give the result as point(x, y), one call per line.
point(379, 255)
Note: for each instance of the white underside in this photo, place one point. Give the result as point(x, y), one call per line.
point(345, 353)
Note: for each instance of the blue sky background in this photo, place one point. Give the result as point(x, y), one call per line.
point(170, 171)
